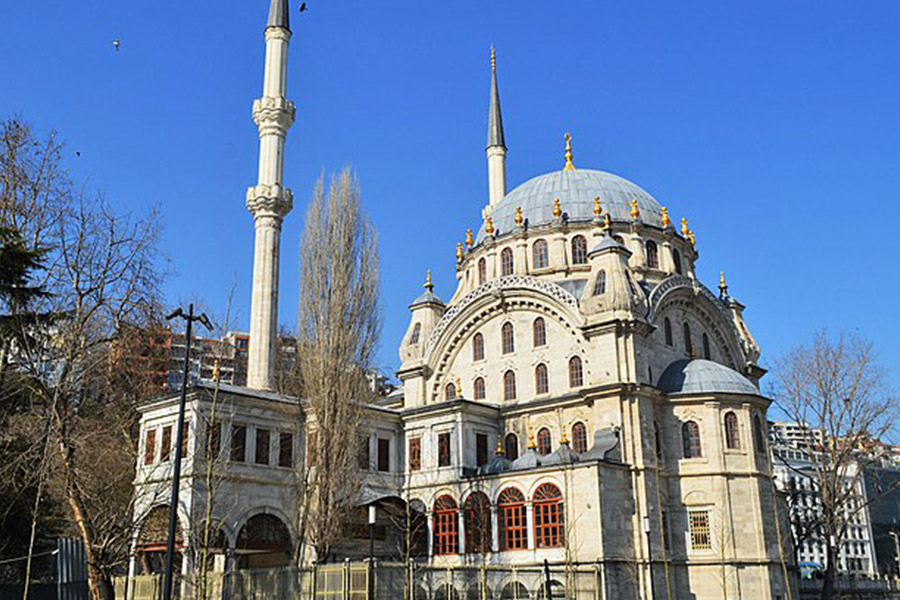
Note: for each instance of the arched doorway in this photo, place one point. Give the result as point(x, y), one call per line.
point(263, 542)
point(153, 538)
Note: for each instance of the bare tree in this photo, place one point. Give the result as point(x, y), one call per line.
point(338, 327)
point(835, 387)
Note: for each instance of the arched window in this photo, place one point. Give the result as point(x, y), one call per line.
point(732, 432)
point(507, 338)
point(512, 520)
point(478, 347)
point(450, 392)
point(414, 338)
point(706, 353)
point(544, 442)
point(477, 517)
point(549, 521)
point(676, 258)
point(579, 437)
point(541, 382)
point(579, 250)
point(511, 446)
point(652, 255)
point(479, 388)
point(667, 325)
point(758, 433)
point(600, 283)
point(539, 257)
point(576, 374)
point(446, 526)
point(539, 332)
point(482, 271)
point(506, 262)
point(690, 438)
point(509, 385)
point(688, 342)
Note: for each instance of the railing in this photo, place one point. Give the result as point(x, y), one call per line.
point(391, 581)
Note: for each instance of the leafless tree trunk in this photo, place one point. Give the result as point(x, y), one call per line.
point(338, 327)
point(835, 387)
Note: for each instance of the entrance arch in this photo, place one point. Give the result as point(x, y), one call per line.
point(264, 541)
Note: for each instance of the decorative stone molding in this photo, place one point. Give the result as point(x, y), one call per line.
point(495, 288)
point(273, 115)
point(269, 200)
point(277, 33)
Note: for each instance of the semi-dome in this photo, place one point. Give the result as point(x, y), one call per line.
point(700, 376)
point(576, 190)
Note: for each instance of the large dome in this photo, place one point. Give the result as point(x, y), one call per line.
point(576, 190)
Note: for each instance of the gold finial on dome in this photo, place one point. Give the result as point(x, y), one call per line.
point(469, 239)
point(598, 210)
point(459, 251)
point(489, 226)
point(499, 450)
point(607, 223)
point(723, 287)
point(691, 237)
point(519, 218)
point(428, 285)
point(666, 221)
point(635, 213)
point(531, 443)
point(564, 439)
point(684, 227)
point(570, 166)
point(557, 209)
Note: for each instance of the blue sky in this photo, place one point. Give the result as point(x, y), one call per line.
point(772, 126)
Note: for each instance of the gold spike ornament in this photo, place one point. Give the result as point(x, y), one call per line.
point(666, 221)
point(459, 251)
point(723, 287)
point(570, 166)
point(489, 226)
point(598, 210)
point(428, 285)
point(684, 227)
point(469, 239)
point(557, 209)
point(519, 218)
point(635, 213)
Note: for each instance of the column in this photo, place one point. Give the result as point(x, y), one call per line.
point(429, 517)
point(462, 530)
point(529, 525)
point(495, 530)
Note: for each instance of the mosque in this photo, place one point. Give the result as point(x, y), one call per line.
point(582, 398)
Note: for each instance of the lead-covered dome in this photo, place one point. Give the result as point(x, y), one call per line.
point(576, 190)
point(700, 376)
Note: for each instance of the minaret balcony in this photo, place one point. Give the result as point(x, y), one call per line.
point(273, 113)
point(265, 200)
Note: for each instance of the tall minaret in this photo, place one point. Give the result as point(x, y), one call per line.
point(269, 200)
point(496, 144)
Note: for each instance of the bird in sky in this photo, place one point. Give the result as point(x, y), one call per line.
point(302, 6)
point(116, 44)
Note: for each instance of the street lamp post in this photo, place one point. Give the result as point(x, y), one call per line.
point(179, 440)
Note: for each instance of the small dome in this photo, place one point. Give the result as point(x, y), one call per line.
point(427, 297)
point(576, 190)
point(703, 376)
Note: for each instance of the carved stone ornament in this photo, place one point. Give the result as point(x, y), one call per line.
point(269, 200)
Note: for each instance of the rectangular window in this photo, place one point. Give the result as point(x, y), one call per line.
point(286, 450)
point(481, 449)
point(384, 455)
point(698, 525)
point(665, 530)
point(238, 443)
point(362, 453)
point(443, 449)
point(184, 439)
point(262, 446)
point(149, 446)
point(415, 454)
point(215, 440)
point(166, 447)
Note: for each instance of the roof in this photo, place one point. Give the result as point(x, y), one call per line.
point(608, 243)
point(427, 297)
point(700, 376)
point(495, 120)
point(576, 190)
point(279, 11)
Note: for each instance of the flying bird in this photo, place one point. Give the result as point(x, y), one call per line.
point(302, 6)
point(116, 44)
point(77, 153)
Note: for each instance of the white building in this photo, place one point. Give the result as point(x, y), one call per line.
point(582, 396)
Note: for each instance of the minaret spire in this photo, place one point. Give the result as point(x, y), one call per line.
point(269, 200)
point(496, 143)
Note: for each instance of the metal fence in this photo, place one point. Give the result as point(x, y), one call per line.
point(389, 581)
